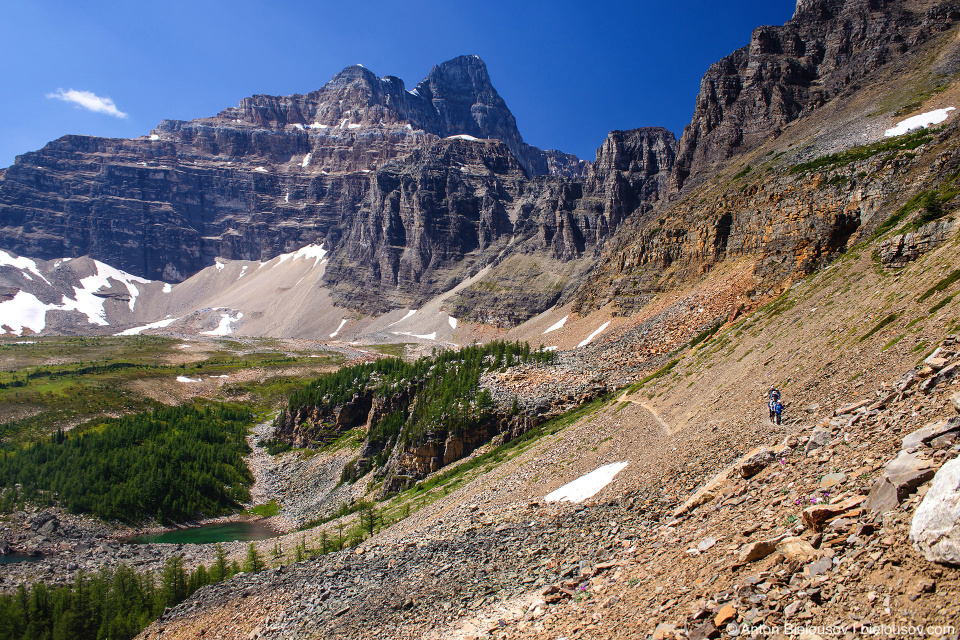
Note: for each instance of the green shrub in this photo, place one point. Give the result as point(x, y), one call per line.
point(942, 284)
point(880, 325)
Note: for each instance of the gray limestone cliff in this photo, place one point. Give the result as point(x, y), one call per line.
point(263, 178)
point(789, 71)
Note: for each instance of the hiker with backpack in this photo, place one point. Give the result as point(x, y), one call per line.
point(774, 405)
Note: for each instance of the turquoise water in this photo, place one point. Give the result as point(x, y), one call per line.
point(16, 557)
point(210, 533)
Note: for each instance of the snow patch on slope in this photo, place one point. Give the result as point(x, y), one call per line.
point(594, 334)
point(135, 331)
point(558, 325)
point(24, 311)
point(91, 305)
point(317, 252)
point(23, 264)
point(587, 486)
point(409, 313)
point(225, 327)
point(921, 121)
point(342, 322)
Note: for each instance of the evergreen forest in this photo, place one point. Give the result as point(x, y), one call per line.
point(174, 464)
point(112, 604)
point(439, 393)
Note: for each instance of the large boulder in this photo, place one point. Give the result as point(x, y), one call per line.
point(900, 478)
point(935, 531)
point(928, 434)
point(819, 438)
point(816, 516)
point(756, 461)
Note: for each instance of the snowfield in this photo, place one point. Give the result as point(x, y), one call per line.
point(225, 327)
point(23, 264)
point(135, 331)
point(26, 311)
point(594, 334)
point(335, 333)
point(557, 325)
point(587, 486)
point(317, 252)
point(921, 121)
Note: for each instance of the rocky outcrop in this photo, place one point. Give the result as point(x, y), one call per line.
point(438, 217)
point(567, 223)
point(790, 71)
point(315, 426)
point(902, 249)
point(788, 223)
point(410, 462)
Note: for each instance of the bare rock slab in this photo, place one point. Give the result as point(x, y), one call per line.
point(935, 530)
point(819, 438)
point(931, 432)
point(797, 549)
point(816, 516)
point(753, 551)
point(756, 461)
point(900, 478)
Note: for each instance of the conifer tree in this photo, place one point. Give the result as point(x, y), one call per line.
point(254, 561)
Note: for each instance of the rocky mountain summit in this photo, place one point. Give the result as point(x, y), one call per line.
point(398, 184)
point(268, 176)
point(431, 191)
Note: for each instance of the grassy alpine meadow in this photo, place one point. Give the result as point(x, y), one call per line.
point(51, 383)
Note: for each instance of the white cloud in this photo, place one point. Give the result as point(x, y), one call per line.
point(88, 100)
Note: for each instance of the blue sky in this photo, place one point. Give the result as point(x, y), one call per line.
point(570, 70)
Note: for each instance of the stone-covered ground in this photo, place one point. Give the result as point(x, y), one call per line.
point(636, 562)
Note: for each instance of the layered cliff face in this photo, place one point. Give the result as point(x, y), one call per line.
point(787, 72)
point(257, 180)
point(560, 227)
point(428, 222)
point(431, 191)
point(757, 183)
point(439, 217)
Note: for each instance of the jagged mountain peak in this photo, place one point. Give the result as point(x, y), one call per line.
point(457, 73)
point(817, 9)
point(456, 98)
point(355, 71)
